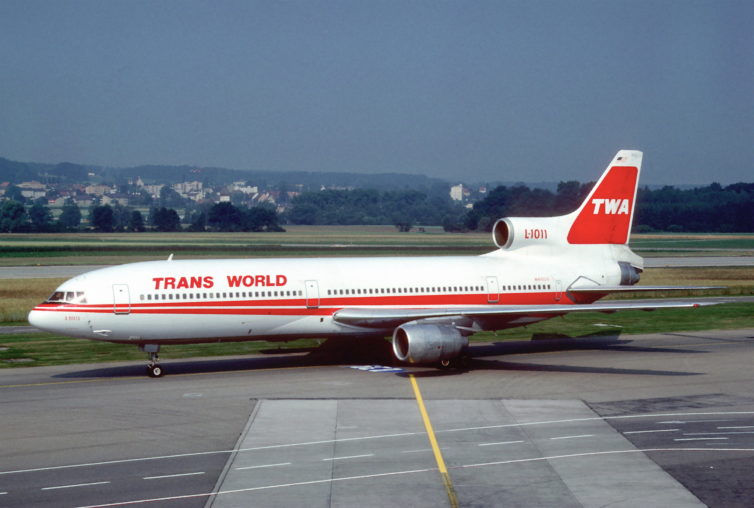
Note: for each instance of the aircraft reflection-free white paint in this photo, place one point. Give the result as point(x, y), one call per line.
point(543, 267)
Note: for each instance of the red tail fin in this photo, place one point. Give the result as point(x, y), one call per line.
point(607, 213)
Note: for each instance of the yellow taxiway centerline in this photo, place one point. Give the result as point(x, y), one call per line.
point(435, 447)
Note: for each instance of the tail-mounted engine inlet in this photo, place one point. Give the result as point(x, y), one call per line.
point(629, 275)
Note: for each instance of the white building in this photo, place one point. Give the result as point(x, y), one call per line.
point(456, 192)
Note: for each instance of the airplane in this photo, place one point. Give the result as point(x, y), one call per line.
point(543, 267)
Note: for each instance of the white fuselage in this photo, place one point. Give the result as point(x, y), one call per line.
point(162, 302)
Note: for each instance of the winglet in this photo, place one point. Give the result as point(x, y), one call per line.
point(606, 215)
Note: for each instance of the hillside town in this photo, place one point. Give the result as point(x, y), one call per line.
point(138, 194)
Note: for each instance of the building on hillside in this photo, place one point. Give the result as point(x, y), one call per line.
point(245, 189)
point(33, 189)
point(153, 190)
point(186, 188)
point(98, 190)
point(121, 199)
point(457, 192)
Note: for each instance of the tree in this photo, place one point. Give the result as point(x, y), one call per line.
point(13, 217)
point(41, 218)
point(14, 193)
point(304, 213)
point(198, 222)
point(225, 217)
point(170, 198)
point(136, 222)
point(166, 220)
point(402, 222)
point(102, 218)
point(121, 217)
point(70, 218)
point(261, 218)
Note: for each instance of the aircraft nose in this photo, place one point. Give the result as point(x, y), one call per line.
point(39, 319)
point(33, 318)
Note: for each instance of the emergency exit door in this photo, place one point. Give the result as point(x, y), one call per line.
point(493, 293)
point(312, 294)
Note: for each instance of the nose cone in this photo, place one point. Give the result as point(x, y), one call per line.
point(68, 323)
point(37, 319)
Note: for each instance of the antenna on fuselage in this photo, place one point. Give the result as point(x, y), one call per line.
point(170, 257)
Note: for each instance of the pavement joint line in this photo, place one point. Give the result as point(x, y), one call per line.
point(573, 437)
point(404, 434)
point(74, 485)
point(263, 466)
point(650, 431)
point(699, 438)
point(607, 452)
point(349, 457)
point(500, 443)
point(172, 475)
point(435, 447)
point(717, 433)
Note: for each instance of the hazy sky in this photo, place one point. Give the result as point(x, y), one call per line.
point(467, 90)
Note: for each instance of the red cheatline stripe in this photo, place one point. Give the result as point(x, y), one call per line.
point(327, 306)
point(407, 299)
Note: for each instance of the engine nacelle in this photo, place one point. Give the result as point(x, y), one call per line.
point(427, 343)
point(515, 232)
point(629, 275)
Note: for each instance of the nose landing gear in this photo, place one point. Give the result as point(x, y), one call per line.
point(153, 365)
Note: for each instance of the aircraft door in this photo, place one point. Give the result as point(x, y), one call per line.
point(558, 290)
point(121, 299)
point(312, 294)
point(493, 294)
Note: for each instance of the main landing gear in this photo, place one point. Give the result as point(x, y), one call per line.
point(460, 362)
point(153, 365)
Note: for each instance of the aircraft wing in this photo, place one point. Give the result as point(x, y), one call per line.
point(391, 317)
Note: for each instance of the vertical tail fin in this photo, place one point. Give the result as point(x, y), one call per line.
point(607, 213)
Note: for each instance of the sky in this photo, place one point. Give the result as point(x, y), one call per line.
point(462, 90)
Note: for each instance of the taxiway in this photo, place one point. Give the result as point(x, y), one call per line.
point(652, 419)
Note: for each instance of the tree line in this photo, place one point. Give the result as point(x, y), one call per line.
point(37, 218)
point(711, 209)
point(402, 208)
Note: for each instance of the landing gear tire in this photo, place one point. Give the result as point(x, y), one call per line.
point(154, 371)
point(153, 364)
point(461, 362)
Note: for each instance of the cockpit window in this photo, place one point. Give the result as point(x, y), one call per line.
point(67, 297)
